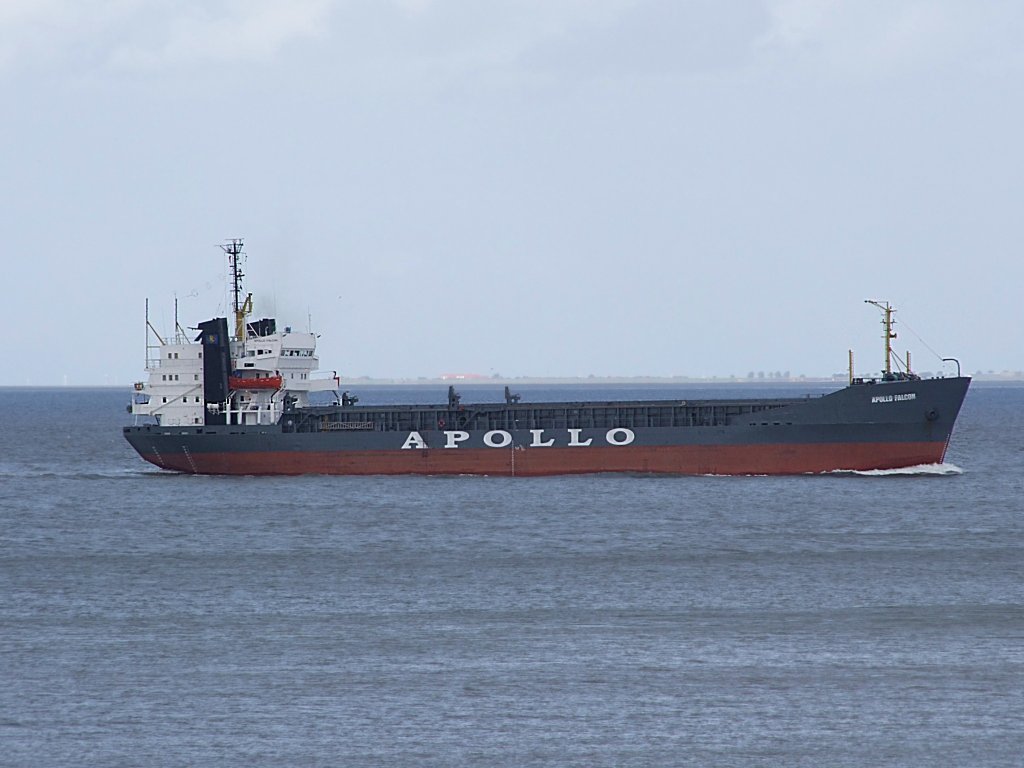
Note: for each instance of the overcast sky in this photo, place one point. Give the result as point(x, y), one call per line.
point(530, 187)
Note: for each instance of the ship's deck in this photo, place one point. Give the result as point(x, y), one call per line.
point(566, 415)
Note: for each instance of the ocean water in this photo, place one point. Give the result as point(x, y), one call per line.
point(148, 618)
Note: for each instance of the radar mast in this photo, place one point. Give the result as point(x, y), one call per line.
point(233, 248)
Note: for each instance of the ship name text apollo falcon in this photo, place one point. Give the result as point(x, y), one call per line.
point(894, 398)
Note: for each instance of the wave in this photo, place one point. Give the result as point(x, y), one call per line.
point(919, 470)
point(72, 474)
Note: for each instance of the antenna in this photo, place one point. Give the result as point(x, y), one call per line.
point(888, 335)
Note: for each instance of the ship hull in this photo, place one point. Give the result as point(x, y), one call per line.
point(859, 428)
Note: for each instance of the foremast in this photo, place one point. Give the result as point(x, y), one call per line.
point(887, 336)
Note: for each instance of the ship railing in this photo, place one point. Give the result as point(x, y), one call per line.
point(333, 426)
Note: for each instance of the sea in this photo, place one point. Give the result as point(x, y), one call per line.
point(157, 619)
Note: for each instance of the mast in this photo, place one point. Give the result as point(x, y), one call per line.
point(152, 353)
point(233, 249)
point(888, 335)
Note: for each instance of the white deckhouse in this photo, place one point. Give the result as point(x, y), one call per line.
point(269, 369)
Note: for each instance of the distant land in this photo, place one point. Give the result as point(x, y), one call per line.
point(470, 379)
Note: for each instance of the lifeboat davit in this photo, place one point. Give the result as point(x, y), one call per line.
point(269, 382)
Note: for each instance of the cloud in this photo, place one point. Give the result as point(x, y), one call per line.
point(34, 31)
point(229, 31)
point(656, 38)
point(434, 39)
point(892, 37)
point(69, 35)
point(446, 39)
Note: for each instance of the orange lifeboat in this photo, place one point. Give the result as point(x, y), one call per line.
point(269, 382)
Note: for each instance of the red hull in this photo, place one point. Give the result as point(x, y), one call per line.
point(782, 459)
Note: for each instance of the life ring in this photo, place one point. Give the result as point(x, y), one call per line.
point(440, 423)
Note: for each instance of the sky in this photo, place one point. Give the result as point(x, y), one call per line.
point(515, 187)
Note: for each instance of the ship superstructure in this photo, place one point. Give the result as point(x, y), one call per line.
point(246, 375)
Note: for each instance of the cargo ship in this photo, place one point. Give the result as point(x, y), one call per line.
point(237, 401)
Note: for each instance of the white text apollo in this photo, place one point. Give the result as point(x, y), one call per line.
point(500, 438)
